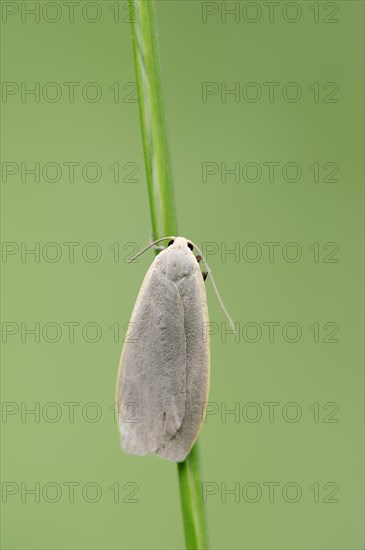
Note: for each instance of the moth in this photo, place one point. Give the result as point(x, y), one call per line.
point(164, 370)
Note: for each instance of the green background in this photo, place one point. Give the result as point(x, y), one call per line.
point(234, 451)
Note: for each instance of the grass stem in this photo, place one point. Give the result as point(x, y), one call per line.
point(163, 215)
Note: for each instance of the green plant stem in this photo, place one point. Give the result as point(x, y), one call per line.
point(152, 117)
point(163, 215)
point(196, 535)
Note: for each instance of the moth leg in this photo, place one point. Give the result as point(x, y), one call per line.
point(204, 273)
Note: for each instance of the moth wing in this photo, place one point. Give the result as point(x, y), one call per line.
point(193, 297)
point(151, 388)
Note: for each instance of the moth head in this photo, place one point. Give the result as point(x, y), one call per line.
point(181, 241)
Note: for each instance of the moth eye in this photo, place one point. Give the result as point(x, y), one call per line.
point(190, 246)
point(170, 243)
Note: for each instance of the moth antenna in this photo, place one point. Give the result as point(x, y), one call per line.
point(216, 290)
point(148, 247)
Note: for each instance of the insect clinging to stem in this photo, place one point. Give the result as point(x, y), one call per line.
point(164, 370)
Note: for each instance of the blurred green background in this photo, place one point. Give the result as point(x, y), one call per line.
point(314, 441)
